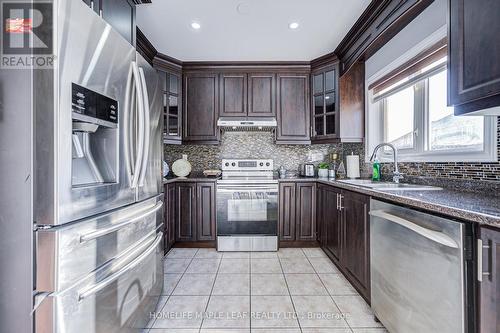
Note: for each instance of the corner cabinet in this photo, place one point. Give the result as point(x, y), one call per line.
point(337, 104)
point(489, 286)
point(344, 233)
point(297, 211)
point(201, 108)
point(293, 109)
point(473, 55)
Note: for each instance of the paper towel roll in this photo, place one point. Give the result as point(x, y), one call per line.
point(352, 162)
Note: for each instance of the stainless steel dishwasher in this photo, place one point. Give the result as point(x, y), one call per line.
point(420, 268)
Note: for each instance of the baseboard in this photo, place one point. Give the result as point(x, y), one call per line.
point(299, 244)
point(202, 244)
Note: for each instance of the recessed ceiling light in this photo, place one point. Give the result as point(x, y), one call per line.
point(195, 25)
point(293, 25)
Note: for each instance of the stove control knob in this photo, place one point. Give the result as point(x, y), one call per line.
point(261, 164)
point(268, 164)
point(233, 164)
point(227, 164)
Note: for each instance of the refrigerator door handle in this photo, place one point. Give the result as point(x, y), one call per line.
point(129, 105)
point(89, 291)
point(123, 222)
point(146, 133)
point(140, 136)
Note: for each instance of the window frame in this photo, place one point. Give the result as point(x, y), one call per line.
point(375, 120)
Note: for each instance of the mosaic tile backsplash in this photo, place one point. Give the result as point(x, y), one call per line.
point(261, 145)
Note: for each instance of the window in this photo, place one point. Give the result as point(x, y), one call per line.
point(409, 109)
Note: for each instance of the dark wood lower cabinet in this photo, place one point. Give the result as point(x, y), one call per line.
point(355, 255)
point(169, 229)
point(185, 212)
point(297, 212)
point(189, 212)
point(287, 212)
point(305, 209)
point(345, 235)
point(330, 217)
point(489, 287)
point(205, 211)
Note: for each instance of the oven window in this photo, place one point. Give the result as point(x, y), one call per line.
point(247, 211)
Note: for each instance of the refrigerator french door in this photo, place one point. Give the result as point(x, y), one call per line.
point(98, 205)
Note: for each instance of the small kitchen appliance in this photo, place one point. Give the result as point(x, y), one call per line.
point(306, 170)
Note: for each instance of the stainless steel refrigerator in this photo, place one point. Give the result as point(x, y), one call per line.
point(97, 180)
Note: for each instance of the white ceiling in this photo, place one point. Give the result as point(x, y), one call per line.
point(257, 32)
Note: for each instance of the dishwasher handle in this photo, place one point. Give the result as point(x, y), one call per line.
point(436, 236)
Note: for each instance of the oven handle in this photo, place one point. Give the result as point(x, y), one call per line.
point(245, 189)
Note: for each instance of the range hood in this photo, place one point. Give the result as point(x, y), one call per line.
point(246, 124)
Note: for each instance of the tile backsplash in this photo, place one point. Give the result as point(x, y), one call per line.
point(257, 145)
point(261, 145)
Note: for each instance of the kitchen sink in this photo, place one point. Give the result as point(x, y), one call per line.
point(388, 186)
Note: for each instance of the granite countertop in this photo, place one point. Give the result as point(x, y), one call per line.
point(193, 177)
point(476, 207)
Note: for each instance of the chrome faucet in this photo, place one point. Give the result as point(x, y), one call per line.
point(396, 176)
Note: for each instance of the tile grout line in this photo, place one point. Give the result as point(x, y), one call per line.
point(327, 291)
point(211, 291)
point(289, 293)
point(168, 296)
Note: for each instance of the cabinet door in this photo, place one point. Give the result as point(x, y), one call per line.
point(169, 216)
point(233, 95)
point(293, 109)
point(120, 14)
point(305, 212)
point(287, 212)
point(332, 222)
point(201, 108)
point(319, 216)
point(325, 106)
point(205, 203)
point(185, 211)
point(489, 287)
point(172, 101)
point(355, 256)
point(473, 55)
point(261, 95)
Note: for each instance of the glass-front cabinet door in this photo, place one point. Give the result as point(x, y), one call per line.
point(325, 115)
point(172, 102)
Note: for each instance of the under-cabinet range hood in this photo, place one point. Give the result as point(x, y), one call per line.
point(246, 124)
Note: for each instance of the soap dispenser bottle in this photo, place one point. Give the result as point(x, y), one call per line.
point(376, 170)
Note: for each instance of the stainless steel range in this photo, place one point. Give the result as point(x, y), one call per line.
point(247, 206)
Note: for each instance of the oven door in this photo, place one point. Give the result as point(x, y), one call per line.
point(244, 209)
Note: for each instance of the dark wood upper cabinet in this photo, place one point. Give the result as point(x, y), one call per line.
point(325, 104)
point(473, 55)
point(305, 229)
point(261, 95)
point(489, 287)
point(205, 203)
point(355, 255)
point(233, 95)
point(287, 211)
point(185, 212)
point(293, 113)
point(120, 14)
point(337, 104)
point(172, 103)
point(201, 108)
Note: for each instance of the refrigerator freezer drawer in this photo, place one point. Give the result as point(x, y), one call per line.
point(118, 301)
point(68, 253)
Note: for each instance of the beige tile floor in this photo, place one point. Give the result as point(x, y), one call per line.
point(289, 291)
